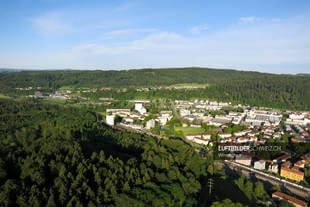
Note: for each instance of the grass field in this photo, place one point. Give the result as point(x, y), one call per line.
point(66, 88)
point(57, 101)
point(192, 84)
point(3, 96)
point(102, 113)
point(189, 130)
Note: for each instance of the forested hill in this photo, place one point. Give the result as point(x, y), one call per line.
point(260, 89)
point(52, 155)
point(123, 78)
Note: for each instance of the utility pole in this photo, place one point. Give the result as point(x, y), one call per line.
point(210, 184)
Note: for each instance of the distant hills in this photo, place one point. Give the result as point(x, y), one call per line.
point(254, 88)
point(9, 70)
point(303, 74)
point(18, 69)
point(122, 78)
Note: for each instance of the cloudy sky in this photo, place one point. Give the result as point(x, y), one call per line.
point(262, 35)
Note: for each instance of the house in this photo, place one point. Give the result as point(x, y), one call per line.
point(261, 141)
point(292, 174)
point(279, 196)
point(118, 110)
point(224, 135)
point(206, 136)
point(274, 168)
point(300, 164)
point(150, 124)
point(192, 136)
point(252, 139)
point(277, 135)
point(286, 164)
point(38, 94)
point(139, 107)
point(105, 89)
point(282, 158)
point(242, 140)
point(287, 128)
point(129, 120)
point(300, 139)
point(260, 165)
point(240, 133)
point(110, 120)
point(244, 159)
point(132, 126)
point(218, 121)
point(200, 140)
point(184, 112)
point(196, 125)
point(306, 157)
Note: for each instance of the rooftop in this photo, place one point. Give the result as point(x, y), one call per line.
point(289, 198)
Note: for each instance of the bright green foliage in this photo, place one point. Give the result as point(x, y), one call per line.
point(226, 203)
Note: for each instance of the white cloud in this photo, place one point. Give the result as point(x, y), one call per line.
point(267, 45)
point(51, 23)
point(126, 32)
point(248, 20)
point(198, 29)
point(68, 21)
point(271, 46)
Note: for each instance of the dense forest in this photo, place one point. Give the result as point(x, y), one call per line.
point(122, 78)
point(269, 91)
point(253, 88)
point(52, 155)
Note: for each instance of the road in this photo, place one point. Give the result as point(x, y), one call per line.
point(174, 109)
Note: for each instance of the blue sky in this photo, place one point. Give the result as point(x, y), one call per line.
point(262, 35)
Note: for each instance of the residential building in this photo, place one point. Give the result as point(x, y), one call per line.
point(150, 124)
point(196, 125)
point(184, 112)
point(274, 168)
point(240, 133)
point(282, 158)
point(192, 136)
point(279, 196)
point(132, 126)
point(306, 157)
point(206, 136)
point(129, 120)
point(292, 174)
point(244, 159)
point(200, 140)
point(224, 135)
point(300, 164)
point(260, 165)
point(139, 107)
point(242, 140)
point(110, 120)
point(38, 94)
point(286, 164)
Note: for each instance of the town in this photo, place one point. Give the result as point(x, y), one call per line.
point(206, 123)
point(259, 126)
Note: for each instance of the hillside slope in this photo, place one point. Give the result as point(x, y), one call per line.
point(124, 78)
point(260, 89)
